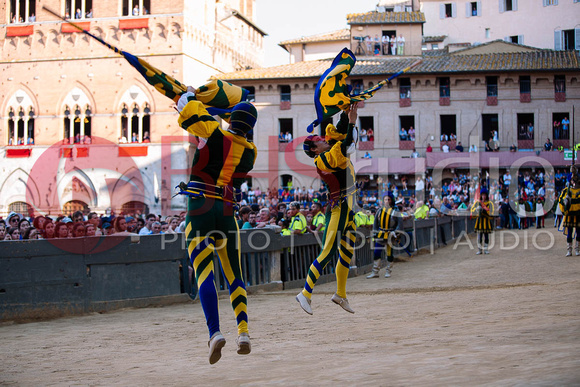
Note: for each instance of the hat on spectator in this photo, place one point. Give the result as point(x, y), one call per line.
point(106, 225)
point(66, 219)
point(129, 218)
point(10, 215)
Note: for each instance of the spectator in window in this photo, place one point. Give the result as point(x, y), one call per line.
point(367, 155)
point(415, 154)
point(146, 137)
point(411, 134)
point(32, 18)
point(429, 148)
point(445, 148)
point(403, 134)
point(363, 135)
point(444, 137)
point(78, 14)
point(371, 134)
point(513, 148)
point(136, 10)
point(282, 137)
point(30, 141)
point(565, 123)
point(473, 148)
point(89, 14)
point(288, 137)
point(459, 148)
point(548, 145)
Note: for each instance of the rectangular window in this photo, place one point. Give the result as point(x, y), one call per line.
point(251, 93)
point(525, 126)
point(136, 7)
point(357, 86)
point(517, 39)
point(407, 124)
point(525, 84)
point(474, 8)
point(78, 9)
point(448, 127)
point(569, 41)
point(286, 130)
point(559, 83)
point(508, 5)
point(405, 88)
point(434, 46)
point(448, 10)
point(489, 131)
point(444, 87)
point(22, 11)
point(367, 128)
point(550, 2)
point(488, 33)
point(285, 93)
point(561, 126)
point(491, 83)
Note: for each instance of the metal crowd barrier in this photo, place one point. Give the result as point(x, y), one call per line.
point(50, 278)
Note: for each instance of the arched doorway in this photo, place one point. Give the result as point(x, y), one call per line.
point(134, 208)
point(73, 206)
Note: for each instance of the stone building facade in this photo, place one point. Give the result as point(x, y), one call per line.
point(64, 93)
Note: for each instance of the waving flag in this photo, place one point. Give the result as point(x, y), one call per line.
point(332, 93)
point(218, 96)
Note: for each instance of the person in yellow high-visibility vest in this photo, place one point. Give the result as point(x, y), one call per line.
point(298, 224)
point(318, 220)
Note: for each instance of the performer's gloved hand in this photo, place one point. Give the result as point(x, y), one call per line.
point(185, 98)
point(392, 235)
point(352, 148)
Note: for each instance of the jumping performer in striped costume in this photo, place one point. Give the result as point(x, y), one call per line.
point(387, 221)
point(336, 170)
point(221, 162)
point(569, 203)
point(484, 210)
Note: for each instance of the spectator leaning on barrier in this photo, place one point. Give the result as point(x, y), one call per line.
point(422, 211)
point(297, 221)
point(251, 223)
point(149, 220)
point(361, 218)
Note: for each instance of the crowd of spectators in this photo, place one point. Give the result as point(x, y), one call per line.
point(299, 210)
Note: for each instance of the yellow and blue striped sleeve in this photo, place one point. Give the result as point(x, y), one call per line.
point(196, 120)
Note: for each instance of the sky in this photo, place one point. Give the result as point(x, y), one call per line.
point(292, 19)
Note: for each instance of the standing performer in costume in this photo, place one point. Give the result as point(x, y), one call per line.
point(221, 162)
point(569, 203)
point(483, 208)
point(387, 221)
point(337, 172)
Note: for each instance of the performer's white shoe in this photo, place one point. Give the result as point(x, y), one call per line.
point(215, 344)
point(304, 302)
point(373, 274)
point(569, 250)
point(244, 344)
point(388, 270)
point(577, 249)
point(478, 252)
point(343, 302)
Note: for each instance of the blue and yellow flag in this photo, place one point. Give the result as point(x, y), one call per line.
point(332, 93)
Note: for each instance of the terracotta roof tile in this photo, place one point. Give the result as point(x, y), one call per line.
point(375, 17)
point(343, 34)
point(540, 60)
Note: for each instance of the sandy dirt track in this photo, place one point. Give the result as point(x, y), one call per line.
point(452, 318)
